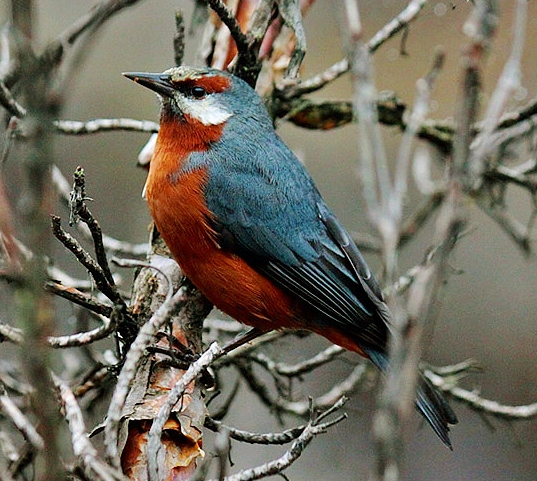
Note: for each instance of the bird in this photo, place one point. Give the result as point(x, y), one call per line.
point(245, 222)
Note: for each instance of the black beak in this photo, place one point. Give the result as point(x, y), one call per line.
point(158, 82)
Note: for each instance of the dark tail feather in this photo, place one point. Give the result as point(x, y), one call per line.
point(429, 401)
point(435, 409)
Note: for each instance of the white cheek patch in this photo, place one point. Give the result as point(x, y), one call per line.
point(206, 110)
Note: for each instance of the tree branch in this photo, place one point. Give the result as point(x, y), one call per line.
point(312, 429)
point(87, 457)
point(479, 403)
point(73, 127)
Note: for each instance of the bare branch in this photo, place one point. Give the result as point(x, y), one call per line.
point(87, 457)
point(56, 50)
point(35, 313)
point(230, 21)
point(16, 336)
point(508, 82)
point(222, 448)
point(394, 26)
point(73, 127)
point(74, 295)
point(300, 408)
point(179, 38)
point(479, 28)
point(308, 365)
point(98, 274)
point(254, 344)
point(23, 424)
point(312, 429)
point(79, 210)
point(415, 221)
point(115, 246)
point(480, 404)
point(317, 82)
point(511, 118)
point(94, 380)
point(513, 227)
point(459, 369)
point(415, 121)
point(9, 103)
point(81, 338)
point(255, 438)
point(290, 12)
point(10, 333)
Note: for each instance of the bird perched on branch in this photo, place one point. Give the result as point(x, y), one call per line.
point(248, 227)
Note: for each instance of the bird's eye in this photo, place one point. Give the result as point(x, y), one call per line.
point(198, 92)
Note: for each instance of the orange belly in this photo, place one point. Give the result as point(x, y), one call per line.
point(183, 219)
point(181, 215)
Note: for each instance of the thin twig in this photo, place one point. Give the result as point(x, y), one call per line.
point(222, 448)
point(179, 38)
point(509, 224)
point(10, 103)
point(74, 127)
point(82, 299)
point(459, 369)
point(510, 118)
point(22, 423)
point(283, 437)
point(115, 246)
point(479, 403)
point(508, 82)
point(16, 336)
point(56, 50)
point(87, 457)
point(79, 209)
point(11, 334)
point(300, 408)
point(404, 156)
point(415, 221)
point(254, 344)
point(319, 81)
point(135, 263)
point(292, 16)
point(101, 279)
point(82, 338)
point(303, 367)
point(94, 380)
point(230, 21)
point(312, 429)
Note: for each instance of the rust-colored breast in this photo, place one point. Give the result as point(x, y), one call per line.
point(177, 204)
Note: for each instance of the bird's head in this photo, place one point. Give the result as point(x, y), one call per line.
point(205, 95)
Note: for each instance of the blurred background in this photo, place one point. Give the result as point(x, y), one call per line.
point(488, 311)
